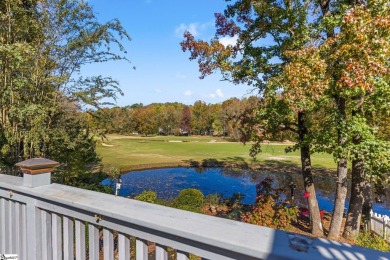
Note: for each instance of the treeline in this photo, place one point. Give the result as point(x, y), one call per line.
point(222, 119)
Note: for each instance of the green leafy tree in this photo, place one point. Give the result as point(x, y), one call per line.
point(277, 51)
point(43, 45)
point(263, 30)
point(200, 117)
point(145, 120)
point(353, 71)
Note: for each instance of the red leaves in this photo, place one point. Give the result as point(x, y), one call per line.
point(351, 62)
point(206, 54)
point(225, 26)
point(360, 51)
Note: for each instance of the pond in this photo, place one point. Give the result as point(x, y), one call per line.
point(168, 182)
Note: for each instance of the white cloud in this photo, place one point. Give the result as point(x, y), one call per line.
point(228, 40)
point(188, 93)
point(180, 75)
point(217, 93)
point(157, 90)
point(194, 28)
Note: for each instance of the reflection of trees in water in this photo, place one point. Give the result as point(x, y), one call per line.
point(200, 170)
point(325, 186)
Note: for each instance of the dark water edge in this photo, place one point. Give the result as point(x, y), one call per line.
point(168, 182)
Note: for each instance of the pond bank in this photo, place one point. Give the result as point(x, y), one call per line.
point(274, 166)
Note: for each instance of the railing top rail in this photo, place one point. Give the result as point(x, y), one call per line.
point(246, 239)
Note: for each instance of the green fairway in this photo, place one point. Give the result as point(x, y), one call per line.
point(138, 152)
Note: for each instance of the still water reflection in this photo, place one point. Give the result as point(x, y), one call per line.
point(167, 183)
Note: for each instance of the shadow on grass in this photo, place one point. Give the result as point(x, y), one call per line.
point(267, 165)
point(236, 162)
point(279, 166)
point(291, 167)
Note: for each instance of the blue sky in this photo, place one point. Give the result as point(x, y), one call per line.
point(163, 71)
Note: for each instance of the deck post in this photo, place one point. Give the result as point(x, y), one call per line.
point(36, 172)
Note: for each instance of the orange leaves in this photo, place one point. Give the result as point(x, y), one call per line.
point(210, 56)
point(303, 78)
point(270, 209)
point(351, 62)
point(361, 75)
point(359, 53)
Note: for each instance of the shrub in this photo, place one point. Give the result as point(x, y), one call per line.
point(189, 199)
point(236, 200)
point(147, 196)
point(270, 209)
point(213, 199)
point(373, 241)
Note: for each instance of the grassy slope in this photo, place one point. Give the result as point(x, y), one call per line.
point(148, 152)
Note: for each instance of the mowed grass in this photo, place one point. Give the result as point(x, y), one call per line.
point(136, 152)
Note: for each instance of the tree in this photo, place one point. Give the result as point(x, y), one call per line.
point(145, 120)
point(354, 72)
point(185, 122)
point(263, 30)
point(278, 39)
point(363, 46)
point(199, 117)
point(169, 115)
point(43, 45)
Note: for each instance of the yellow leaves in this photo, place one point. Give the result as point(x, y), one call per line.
point(304, 79)
point(352, 60)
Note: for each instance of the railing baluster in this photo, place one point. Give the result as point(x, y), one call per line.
point(11, 227)
point(57, 236)
point(161, 252)
point(47, 249)
point(80, 240)
point(8, 235)
point(23, 223)
point(17, 229)
point(3, 237)
point(123, 247)
point(182, 255)
point(108, 244)
point(68, 238)
point(33, 231)
point(141, 249)
point(93, 235)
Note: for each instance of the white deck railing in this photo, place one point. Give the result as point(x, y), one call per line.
point(60, 222)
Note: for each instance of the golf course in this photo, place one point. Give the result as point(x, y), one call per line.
point(138, 152)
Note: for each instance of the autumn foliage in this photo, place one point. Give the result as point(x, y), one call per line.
point(270, 208)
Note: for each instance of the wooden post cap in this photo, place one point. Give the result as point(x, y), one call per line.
point(37, 165)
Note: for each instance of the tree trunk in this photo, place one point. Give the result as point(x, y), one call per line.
point(367, 204)
point(359, 192)
point(352, 224)
point(342, 170)
point(315, 217)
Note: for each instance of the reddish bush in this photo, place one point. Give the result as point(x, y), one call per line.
point(270, 208)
